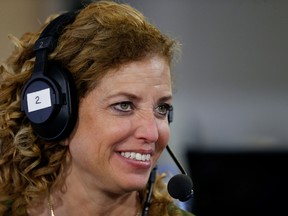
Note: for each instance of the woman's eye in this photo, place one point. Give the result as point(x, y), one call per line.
point(163, 109)
point(123, 106)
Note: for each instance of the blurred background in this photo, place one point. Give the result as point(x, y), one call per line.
point(230, 127)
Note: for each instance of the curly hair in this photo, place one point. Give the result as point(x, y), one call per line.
point(104, 35)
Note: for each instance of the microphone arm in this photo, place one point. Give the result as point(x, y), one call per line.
point(176, 160)
point(170, 119)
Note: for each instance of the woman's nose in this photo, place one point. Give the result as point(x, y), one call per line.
point(147, 129)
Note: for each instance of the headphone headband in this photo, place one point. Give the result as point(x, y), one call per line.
point(50, 35)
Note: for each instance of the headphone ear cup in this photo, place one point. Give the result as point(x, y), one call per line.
point(50, 103)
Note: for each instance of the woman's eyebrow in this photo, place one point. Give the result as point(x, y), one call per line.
point(134, 97)
point(165, 99)
point(128, 95)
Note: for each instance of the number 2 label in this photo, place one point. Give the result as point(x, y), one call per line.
point(39, 100)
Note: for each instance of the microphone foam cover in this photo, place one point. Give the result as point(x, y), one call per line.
point(180, 187)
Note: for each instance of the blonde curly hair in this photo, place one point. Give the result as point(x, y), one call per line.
point(104, 35)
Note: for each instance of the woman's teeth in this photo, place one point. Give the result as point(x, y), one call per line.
point(136, 156)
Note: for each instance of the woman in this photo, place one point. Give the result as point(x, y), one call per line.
point(101, 163)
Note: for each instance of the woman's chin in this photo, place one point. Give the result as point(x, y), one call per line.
point(135, 183)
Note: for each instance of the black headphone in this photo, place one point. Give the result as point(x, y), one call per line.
point(49, 96)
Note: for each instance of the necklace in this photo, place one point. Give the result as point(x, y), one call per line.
point(50, 205)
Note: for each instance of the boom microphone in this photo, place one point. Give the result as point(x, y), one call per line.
point(179, 186)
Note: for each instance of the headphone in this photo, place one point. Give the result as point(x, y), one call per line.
point(49, 97)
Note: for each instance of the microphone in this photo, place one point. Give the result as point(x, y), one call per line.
point(179, 186)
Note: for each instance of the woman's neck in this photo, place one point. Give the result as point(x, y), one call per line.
point(70, 201)
point(61, 203)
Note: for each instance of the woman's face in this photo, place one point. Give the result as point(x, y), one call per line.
point(122, 127)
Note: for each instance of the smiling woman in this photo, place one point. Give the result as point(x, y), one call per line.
point(83, 115)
